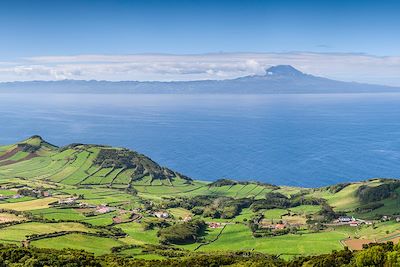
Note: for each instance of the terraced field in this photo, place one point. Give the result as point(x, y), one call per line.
point(85, 165)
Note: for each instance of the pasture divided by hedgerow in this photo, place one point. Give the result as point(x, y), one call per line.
point(124, 201)
point(94, 244)
point(237, 237)
point(19, 232)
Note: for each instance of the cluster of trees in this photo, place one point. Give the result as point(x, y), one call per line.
point(368, 194)
point(258, 231)
point(131, 190)
point(28, 147)
point(188, 202)
point(369, 207)
point(24, 257)
point(142, 165)
point(378, 255)
point(328, 214)
point(117, 158)
point(267, 232)
point(337, 187)
point(13, 256)
point(29, 192)
point(73, 146)
point(50, 235)
point(223, 182)
point(182, 233)
point(272, 200)
point(226, 208)
point(210, 206)
point(151, 223)
point(229, 182)
point(163, 250)
point(275, 200)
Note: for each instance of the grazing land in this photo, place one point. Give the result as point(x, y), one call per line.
point(109, 200)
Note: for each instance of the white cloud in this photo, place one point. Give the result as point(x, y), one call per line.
point(164, 67)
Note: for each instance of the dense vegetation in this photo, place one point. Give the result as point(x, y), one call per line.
point(368, 194)
point(275, 200)
point(124, 158)
point(210, 206)
point(337, 187)
point(225, 182)
point(182, 233)
point(373, 255)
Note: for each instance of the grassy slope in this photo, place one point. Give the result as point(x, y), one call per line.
point(17, 233)
point(75, 165)
point(97, 245)
point(237, 237)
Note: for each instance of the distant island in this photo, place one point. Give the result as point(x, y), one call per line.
point(119, 203)
point(281, 79)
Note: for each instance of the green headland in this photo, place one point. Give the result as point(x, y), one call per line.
point(114, 201)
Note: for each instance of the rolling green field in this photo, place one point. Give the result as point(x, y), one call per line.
point(97, 245)
point(103, 199)
point(19, 232)
point(137, 235)
point(237, 237)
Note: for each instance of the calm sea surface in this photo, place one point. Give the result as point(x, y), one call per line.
point(307, 140)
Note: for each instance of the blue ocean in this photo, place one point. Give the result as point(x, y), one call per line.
point(302, 140)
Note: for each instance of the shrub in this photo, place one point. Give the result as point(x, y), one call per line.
point(182, 233)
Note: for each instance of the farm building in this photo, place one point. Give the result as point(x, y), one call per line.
point(214, 225)
point(345, 219)
point(187, 219)
point(354, 224)
point(280, 226)
point(117, 220)
point(104, 209)
point(46, 193)
point(161, 214)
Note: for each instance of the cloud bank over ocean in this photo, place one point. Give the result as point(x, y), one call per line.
point(165, 67)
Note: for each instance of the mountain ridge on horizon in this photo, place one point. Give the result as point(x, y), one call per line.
point(279, 79)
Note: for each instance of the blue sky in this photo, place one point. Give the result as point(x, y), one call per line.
point(83, 27)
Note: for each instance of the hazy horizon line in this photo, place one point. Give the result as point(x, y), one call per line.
point(348, 67)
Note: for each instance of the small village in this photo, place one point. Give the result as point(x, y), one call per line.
point(351, 221)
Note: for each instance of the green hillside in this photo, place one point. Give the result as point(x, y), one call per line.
point(80, 164)
point(113, 200)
